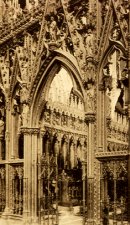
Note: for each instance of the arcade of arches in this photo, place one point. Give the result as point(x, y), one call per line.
point(64, 118)
point(58, 167)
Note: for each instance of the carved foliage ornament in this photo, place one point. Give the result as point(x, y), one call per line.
point(30, 131)
point(122, 10)
point(2, 172)
point(113, 146)
point(114, 169)
point(120, 18)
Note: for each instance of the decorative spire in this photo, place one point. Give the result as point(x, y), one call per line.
point(90, 6)
point(1, 7)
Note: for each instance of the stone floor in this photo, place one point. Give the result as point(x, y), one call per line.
point(62, 221)
point(71, 220)
point(66, 217)
point(10, 222)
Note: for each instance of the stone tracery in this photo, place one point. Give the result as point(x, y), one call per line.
point(69, 117)
point(116, 101)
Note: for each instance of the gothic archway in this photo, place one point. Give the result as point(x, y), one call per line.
point(114, 130)
point(63, 138)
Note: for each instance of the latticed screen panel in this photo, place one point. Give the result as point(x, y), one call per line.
point(48, 201)
point(114, 191)
point(16, 189)
point(2, 189)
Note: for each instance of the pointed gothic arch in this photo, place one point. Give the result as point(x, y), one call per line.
point(112, 124)
point(58, 105)
point(42, 83)
point(113, 45)
point(114, 72)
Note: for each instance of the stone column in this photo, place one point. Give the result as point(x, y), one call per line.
point(102, 194)
point(12, 131)
point(56, 150)
point(64, 153)
point(65, 189)
point(1, 11)
point(72, 155)
point(7, 167)
point(1, 140)
point(27, 195)
point(34, 182)
point(115, 183)
point(129, 122)
point(7, 191)
point(90, 118)
point(84, 173)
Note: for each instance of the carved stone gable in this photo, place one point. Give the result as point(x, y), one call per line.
point(114, 27)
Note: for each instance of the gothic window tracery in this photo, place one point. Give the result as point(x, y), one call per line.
point(62, 91)
point(2, 126)
point(17, 189)
point(61, 87)
point(115, 82)
point(64, 108)
point(114, 187)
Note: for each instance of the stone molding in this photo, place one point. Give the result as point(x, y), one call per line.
point(26, 130)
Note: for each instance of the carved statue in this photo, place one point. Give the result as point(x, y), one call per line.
point(89, 42)
point(47, 115)
point(108, 102)
point(90, 97)
point(65, 187)
point(116, 33)
point(72, 156)
point(2, 123)
point(24, 94)
point(56, 118)
point(24, 114)
point(53, 29)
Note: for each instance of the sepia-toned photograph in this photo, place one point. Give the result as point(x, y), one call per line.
point(64, 112)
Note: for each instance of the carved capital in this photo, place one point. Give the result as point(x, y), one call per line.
point(1, 137)
point(2, 172)
point(108, 120)
point(89, 71)
point(129, 111)
point(30, 131)
point(128, 37)
point(90, 117)
point(105, 83)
